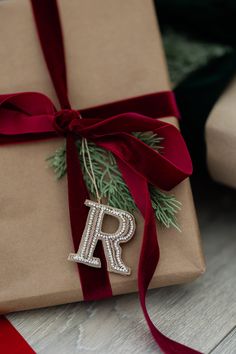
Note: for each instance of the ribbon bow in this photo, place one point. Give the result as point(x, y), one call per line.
point(30, 116)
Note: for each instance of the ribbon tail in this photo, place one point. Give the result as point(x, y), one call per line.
point(11, 341)
point(150, 254)
point(95, 282)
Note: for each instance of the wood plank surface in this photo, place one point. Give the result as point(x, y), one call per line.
point(201, 314)
point(227, 344)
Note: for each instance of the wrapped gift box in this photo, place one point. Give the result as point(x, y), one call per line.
point(113, 51)
point(221, 138)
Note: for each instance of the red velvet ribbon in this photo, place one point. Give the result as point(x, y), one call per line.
point(11, 342)
point(32, 116)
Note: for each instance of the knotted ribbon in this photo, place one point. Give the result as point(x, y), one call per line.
point(32, 116)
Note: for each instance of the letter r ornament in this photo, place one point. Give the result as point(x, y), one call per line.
point(111, 241)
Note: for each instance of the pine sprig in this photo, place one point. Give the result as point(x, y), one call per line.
point(151, 139)
point(185, 53)
point(166, 207)
point(111, 184)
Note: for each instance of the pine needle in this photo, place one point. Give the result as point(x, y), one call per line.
point(111, 184)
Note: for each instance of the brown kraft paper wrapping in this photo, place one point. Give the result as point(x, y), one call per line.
point(113, 51)
point(221, 138)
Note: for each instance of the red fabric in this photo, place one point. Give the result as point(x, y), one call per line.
point(11, 342)
point(158, 104)
point(30, 116)
point(149, 256)
point(50, 35)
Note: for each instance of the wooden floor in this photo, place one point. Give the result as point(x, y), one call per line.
point(201, 314)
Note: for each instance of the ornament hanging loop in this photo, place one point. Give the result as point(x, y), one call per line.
point(89, 166)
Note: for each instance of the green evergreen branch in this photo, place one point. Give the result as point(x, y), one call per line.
point(111, 184)
point(185, 54)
